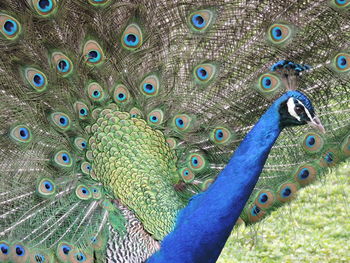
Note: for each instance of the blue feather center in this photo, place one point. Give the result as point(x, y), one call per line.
point(329, 158)
point(266, 81)
point(66, 249)
point(121, 97)
point(286, 192)
point(24, 133)
point(219, 135)
point(80, 257)
point(83, 112)
point(65, 158)
point(63, 121)
point(38, 80)
point(194, 161)
point(39, 258)
point(310, 141)
point(45, 5)
point(5, 249)
point(10, 27)
point(84, 191)
point(94, 56)
point(341, 2)
point(198, 21)
point(148, 88)
point(180, 123)
point(48, 186)
point(277, 33)
point(153, 118)
point(304, 173)
point(342, 62)
point(202, 73)
point(131, 40)
point(19, 251)
point(255, 210)
point(96, 94)
point(63, 66)
point(263, 198)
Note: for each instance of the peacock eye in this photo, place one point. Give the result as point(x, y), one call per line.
point(155, 117)
point(131, 40)
point(83, 192)
point(255, 213)
point(200, 20)
point(182, 122)
point(93, 53)
point(268, 84)
point(60, 120)
point(63, 65)
point(86, 168)
point(46, 188)
point(263, 198)
point(95, 92)
point(135, 113)
point(204, 73)
point(279, 33)
point(63, 159)
point(94, 56)
point(341, 62)
point(4, 248)
point(299, 110)
point(132, 37)
point(80, 257)
point(187, 175)
point(121, 94)
point(150, 86)
point(255, 210)
point(21, 133)
point(44, 7)
point(39, 258)
point(36, 79)
point(20, 251)
point(10, 28)
point(66, 249)
point(304, 173)
point(341, 3)
point(197, 162)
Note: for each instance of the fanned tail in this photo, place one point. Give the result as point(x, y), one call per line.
point(144, 102)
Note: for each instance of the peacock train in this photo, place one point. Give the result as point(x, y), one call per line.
point(142, 131)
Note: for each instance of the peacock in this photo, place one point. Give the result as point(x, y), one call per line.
point(143, 131)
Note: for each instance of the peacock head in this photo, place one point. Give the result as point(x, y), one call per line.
point(296, 109)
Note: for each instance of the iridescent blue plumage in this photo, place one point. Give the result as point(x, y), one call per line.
point(289, 65)
point(207, 221)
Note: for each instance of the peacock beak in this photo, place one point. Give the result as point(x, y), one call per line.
point(316, 124)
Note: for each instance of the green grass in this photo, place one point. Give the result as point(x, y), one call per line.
point(313, 228)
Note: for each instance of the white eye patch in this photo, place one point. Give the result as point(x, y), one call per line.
point(291, 109)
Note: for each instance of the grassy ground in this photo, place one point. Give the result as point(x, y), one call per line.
point(313, 228)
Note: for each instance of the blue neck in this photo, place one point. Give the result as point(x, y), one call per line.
point(204, 225)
